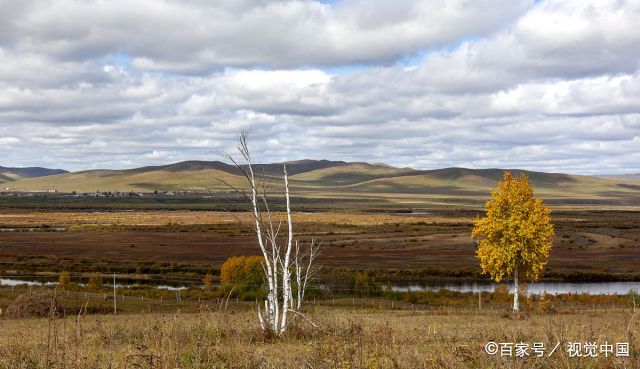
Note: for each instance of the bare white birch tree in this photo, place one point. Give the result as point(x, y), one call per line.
point(288, 267)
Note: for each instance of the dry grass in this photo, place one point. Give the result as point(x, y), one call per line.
point(347, 339)
point(35, 305)
point(82, 220)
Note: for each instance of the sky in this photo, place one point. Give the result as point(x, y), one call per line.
point(541, 85)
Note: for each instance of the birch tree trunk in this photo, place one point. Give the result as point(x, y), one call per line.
point(516, 291)
point(286, 275)
point(282, 262)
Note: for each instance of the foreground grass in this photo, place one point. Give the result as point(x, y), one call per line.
point(345, 339)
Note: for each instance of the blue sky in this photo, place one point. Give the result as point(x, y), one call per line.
point(539, 85)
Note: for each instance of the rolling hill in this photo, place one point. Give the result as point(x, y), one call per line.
point(198, 176)
point(625, 177)
point(15, 174)
point(349, 173)
point(338, 179)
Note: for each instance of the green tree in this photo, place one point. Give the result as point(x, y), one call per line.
point(515, 237)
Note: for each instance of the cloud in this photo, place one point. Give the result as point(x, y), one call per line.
point(550, 86)
point(198, 36)
point(554, 40)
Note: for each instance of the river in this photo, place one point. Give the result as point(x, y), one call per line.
point(19, 282)
point(594, 288)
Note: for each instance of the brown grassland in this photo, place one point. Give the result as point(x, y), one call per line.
point(346, 338)
point(588, 244)
point(439, 331)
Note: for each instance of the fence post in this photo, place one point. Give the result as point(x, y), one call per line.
point(115, 299)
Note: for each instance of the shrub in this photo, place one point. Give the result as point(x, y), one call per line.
point(35, 305)
point(242, 274)
point(95, 281)
point(365, 285)
point(208, 282)
point(64, 280)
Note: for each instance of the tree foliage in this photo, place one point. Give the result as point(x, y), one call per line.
point(64, 280)
point(242, 272)
point(95, 282)
point(208, 282)
point(516, 234)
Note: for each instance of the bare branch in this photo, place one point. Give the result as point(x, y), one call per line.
point(279, 264)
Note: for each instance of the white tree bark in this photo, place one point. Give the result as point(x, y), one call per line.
point(282, 263)
point(271, 280)
point(516, 291)
point(286, 275)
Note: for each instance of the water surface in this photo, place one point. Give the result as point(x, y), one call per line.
point(554, 288)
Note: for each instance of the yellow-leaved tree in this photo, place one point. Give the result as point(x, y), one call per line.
point(242, 273)
point(515, 237)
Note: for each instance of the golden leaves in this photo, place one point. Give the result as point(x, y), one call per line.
point(516, 231)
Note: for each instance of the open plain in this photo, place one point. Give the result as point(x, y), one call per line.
point(592, 245)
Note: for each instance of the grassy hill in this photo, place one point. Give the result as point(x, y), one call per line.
point(338, 179)
point(349, 174)
point(625, 177)
point(15, 174)
point(477, 182)
point(138, 180)
point(204, 176)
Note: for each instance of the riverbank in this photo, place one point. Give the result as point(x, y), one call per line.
point(147, 299)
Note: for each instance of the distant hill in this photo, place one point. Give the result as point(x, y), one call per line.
point(343, 173)
point(293, 167)
point(477, 182)
point(626, 177)
point(14, 174)
point(183, 176)
point(339, 179)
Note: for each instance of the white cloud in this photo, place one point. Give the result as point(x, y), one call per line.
point(550, 86)
point(194, 36)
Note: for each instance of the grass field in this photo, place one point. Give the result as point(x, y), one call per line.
point(397, 236)
point(346, 338)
